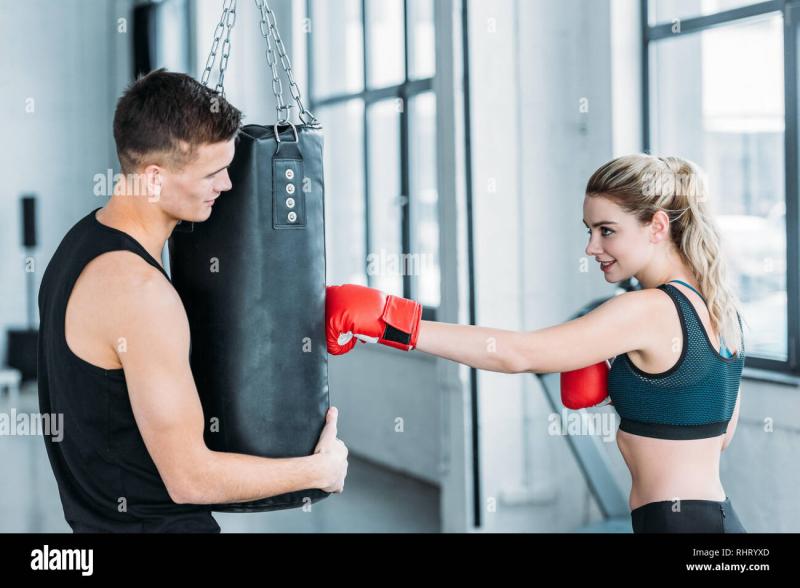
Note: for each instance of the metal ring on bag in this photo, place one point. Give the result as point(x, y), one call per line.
point(278, 134)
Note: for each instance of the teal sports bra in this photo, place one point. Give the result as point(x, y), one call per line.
point(694, 399)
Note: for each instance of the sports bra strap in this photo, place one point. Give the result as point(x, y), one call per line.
point(724, 351)
point(690, 288)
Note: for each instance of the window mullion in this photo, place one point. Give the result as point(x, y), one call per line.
point(792, 163)
point(367, 224)
point(405, 156)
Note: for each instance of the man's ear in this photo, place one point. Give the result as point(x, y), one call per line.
point(153, 179)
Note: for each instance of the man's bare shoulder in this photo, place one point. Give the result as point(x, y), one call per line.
point(125, 287)
point(122, 271)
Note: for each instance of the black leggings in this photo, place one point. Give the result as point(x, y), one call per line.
point(686, 516)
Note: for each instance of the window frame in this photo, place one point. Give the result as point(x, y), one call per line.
point(790, 10)
point(406, 91)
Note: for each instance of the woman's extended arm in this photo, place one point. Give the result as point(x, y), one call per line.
point(615, 327)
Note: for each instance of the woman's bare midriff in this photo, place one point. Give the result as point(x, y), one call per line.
point(663, 469)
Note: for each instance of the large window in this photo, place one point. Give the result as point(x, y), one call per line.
point(371, 69)
point(715, 94)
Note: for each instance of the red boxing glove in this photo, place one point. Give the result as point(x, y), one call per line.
point(357, 312)
point(585, 387)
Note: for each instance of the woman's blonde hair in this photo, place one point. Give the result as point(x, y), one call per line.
point(644, 184)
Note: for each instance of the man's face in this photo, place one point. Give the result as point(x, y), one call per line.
point(189, 194)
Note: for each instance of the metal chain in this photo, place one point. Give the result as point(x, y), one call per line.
point(269, 20)
point(228, 7)
point(269, 30)
point(277, 85)
point(226, 48)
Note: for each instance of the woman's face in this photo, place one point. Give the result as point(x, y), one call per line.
point(616, 237)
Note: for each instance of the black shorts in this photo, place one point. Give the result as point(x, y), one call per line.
point(686, 516)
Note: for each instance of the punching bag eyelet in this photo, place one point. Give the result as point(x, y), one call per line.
point(278, 134)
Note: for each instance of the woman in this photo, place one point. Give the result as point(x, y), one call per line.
point(675, 382)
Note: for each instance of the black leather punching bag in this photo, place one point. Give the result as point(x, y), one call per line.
point(252, 279)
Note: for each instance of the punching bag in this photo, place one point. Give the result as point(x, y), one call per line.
point(252, 280)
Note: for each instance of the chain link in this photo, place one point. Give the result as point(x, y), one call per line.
point(226, 48)
point(226, 22)
point(269, 20)
point(277, 86)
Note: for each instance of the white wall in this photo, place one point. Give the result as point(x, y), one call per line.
point(71, 61)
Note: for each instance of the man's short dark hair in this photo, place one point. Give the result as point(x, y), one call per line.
point(166, 116)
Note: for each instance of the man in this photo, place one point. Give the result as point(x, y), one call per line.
point(114, 336)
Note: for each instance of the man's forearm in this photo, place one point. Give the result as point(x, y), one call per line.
point(234, 477)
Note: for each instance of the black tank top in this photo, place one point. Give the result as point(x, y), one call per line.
point(106, 478)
